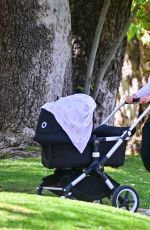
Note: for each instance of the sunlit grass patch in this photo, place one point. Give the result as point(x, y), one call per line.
point(134, 174)
point(41, 212)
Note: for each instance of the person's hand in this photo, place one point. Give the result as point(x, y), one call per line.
point(129, 99)
point(145, 99)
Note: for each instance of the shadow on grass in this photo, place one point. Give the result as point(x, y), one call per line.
point(21, 175)
point(26, 174)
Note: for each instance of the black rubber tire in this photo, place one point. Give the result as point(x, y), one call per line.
point(124, 202)
point(39, 190)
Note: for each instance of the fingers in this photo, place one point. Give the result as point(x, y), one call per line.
point(129, 100)
point(142, 100)
point(145, 100)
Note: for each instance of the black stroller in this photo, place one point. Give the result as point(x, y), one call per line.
point(82, 176)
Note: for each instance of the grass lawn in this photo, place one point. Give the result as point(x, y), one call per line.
point(21, 208)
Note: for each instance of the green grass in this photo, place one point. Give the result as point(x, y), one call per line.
point(21, 208)
point(134, 174)
point(33, 148)
point(26, 211)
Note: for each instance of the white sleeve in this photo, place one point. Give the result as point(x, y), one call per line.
point(145, 90)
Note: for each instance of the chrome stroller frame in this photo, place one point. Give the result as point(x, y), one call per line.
point(122, 196)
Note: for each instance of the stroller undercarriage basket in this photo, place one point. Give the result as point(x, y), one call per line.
point(62, 177)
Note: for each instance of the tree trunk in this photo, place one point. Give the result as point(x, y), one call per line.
point(35, 63)
point(85, 15)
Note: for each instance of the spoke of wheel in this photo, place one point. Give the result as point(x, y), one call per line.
point(127, 207)
point(120, 200)
point(128, 201)
point(131, 201)
point(126, 195)
point(125, 199)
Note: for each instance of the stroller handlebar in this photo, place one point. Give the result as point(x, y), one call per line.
point(135, 100)
point(118, 107)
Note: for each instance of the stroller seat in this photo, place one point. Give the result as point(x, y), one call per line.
point(59, 152)
point(110, 131)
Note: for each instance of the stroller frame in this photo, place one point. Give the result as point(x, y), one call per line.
point(115, 189)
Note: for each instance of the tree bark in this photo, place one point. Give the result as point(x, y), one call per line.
point(94, 47)
point(112, 53)
point(85, 15)
point(35, 63)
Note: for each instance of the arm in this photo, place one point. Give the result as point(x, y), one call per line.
point(144, 91)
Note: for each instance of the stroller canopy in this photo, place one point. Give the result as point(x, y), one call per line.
point(75, 115)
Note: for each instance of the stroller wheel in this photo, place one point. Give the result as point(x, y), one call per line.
point(39, 190)
point(125, 197)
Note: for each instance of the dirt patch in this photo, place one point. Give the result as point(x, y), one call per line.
point(143, 211)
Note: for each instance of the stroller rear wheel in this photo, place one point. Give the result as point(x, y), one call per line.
point(125, 197)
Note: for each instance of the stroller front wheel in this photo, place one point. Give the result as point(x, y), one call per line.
point(125, 197)
point(39, 190)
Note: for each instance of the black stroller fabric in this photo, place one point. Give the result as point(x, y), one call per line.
point(59, 152)
point(145, 147)
point(48, 130)
point(110, 131)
